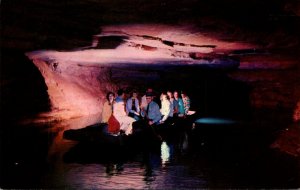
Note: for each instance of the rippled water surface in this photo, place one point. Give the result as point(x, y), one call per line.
point(133, 175)
point(37, 156)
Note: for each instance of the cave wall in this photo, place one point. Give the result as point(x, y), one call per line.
point(76, 91)
point(274, 79)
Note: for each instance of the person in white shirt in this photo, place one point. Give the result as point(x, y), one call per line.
point(166, 108)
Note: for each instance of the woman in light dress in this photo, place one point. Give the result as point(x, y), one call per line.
point(121, 115)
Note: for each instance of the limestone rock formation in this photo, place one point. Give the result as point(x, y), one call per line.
point(124, 56)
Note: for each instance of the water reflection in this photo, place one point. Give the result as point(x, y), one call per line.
point(215, 121)
point(165, 153)
point(98, 167)
point(74, 165)
point(113, 169)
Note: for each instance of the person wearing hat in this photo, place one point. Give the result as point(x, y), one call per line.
point(144, 101)
point(152, 112)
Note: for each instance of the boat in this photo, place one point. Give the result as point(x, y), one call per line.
point(98, 134)
point(142, 134)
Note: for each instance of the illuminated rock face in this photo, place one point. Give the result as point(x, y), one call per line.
point(73, 91)
point(129, 56)
point(77, 89)
point(137, 56)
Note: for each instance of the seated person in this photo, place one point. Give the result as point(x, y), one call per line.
point(153, 114)
point(120, 114)
point(133, 107)
point(186, 102)
point(107, 108)
point(180, 106)
point(144, 102)
point(166, 108)
point(174, 106)
point(148, 124)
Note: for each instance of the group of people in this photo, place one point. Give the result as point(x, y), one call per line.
point(148, 108)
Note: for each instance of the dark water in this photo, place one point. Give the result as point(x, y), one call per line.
point(216, 156)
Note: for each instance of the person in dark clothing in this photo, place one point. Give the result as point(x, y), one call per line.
point(133, 106)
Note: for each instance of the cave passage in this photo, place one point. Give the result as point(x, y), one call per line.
point(212, 92)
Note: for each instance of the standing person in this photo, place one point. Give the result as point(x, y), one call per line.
point(166, 108)
point(180, 111)
point(186, 102)
point(133, 106)
point(107, 108)
point(121, 115)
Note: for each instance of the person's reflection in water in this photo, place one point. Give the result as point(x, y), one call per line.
point(149, 176)
point(156, 159)
point(114, 168)
point(151, 161)
point(167, 153)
